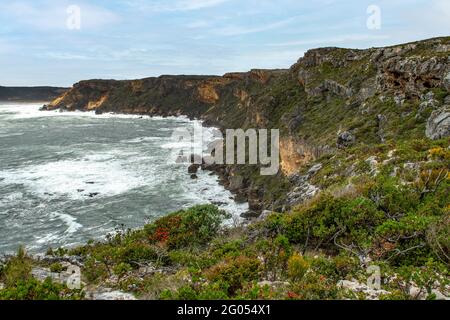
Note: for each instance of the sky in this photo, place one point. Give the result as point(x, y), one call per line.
point(60, 42)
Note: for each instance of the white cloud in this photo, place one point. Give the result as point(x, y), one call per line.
point(241, 30)
point(331, 40)
point(179, 5)
point(197, 24)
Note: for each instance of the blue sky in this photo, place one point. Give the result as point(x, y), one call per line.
point(128, 39)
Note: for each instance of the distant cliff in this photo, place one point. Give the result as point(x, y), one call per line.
point(30, 93)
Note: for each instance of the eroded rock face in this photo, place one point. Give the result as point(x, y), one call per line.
point(411, 75)
point(294, 155)
point(438, 125)
point(333, 87)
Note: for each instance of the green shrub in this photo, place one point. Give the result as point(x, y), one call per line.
point(32, 289)
point(56, 267)
point(235, 273)
point(297, 267)
point(17, 268)
point(195, 226)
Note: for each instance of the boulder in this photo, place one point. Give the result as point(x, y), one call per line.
point(108, 295)
point(193, 168)
point(355, 286)
point(345, 139)
point(446, 82)
point(438, 125)
point(250, 214)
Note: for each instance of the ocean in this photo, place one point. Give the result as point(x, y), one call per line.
point(69, 177)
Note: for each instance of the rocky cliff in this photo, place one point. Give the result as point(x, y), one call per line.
point(30, 94)
point(332, 99)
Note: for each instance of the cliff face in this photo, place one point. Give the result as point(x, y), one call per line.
point(30, 93)
point(330, 100)
point(193, 96)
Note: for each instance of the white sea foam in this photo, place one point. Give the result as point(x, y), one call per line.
point(71, 222)
point(91, 176)
point(27, 111)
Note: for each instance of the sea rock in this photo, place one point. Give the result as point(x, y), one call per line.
point(345, 139)
point(193, 168)
point(438, 125)
point(194, 176)
point(250, 214)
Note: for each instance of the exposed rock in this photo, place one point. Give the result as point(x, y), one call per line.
point(314, 169)
point(399, 99)
point(417, 293)
point(105, 294)
point(274, 284)
point(264, 215)
point(446, 82)
point(194, 176)
point(428, 102)
point(333, 87)
point(357, 287)
point(255, 204)
point(295, 154)
point(71, 274)
point(373, 163)
point(438, 125)
point(439, 295)
point(302, 192)
point(66, 259)
point(250, 214)
point(410, 75)
point(236, 183)
point(382, 120)
point(345, 139)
